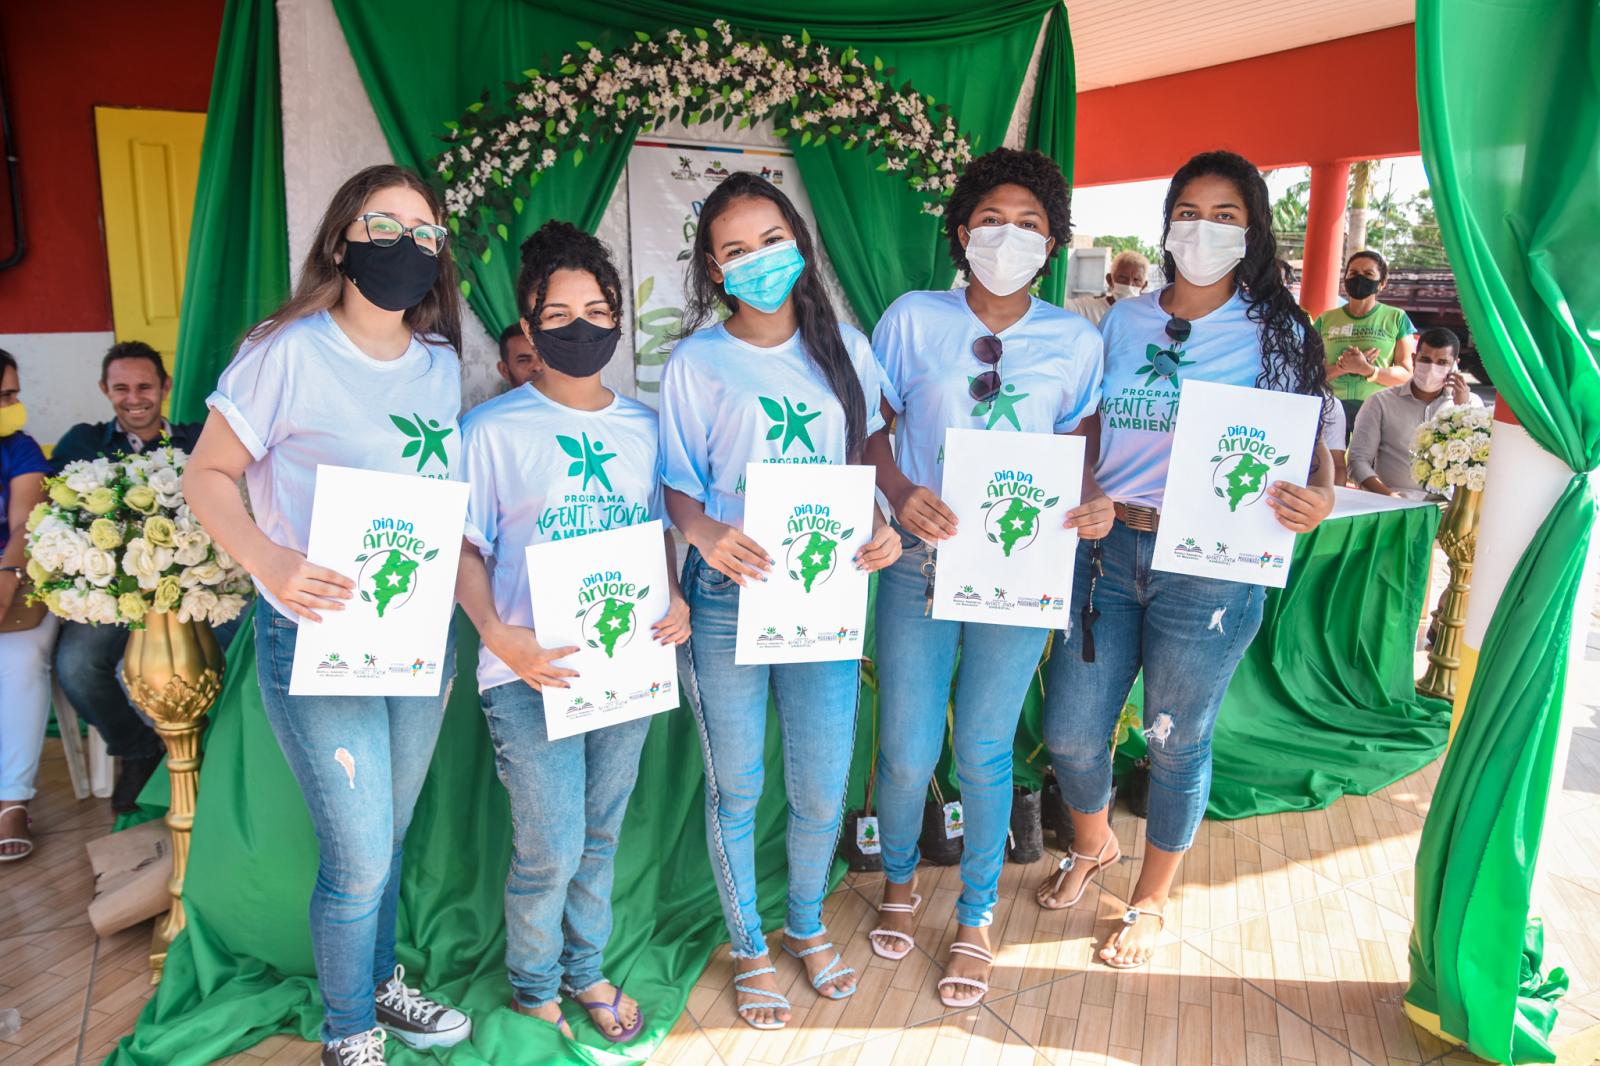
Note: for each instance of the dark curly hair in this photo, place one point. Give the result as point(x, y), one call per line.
point(1376, 257)
point(819, 325)
point(1033, 171)
point(1291, 351)
point(558, 245)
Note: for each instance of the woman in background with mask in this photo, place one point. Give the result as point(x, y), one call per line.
point(1226, 317)
point(357, 369)
point(1368, 344)
point(989, 356)
point(568, 796)
point(1129, 273)
point(780, 381)
point(26, 633)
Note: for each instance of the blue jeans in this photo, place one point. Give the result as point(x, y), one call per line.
point(360, 803)
point(916, 657)
point(568, 797)
point(817, 714)
point(1188, 635)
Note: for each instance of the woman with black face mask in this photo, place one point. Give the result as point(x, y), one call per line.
point(358, 369)
point(1368, 344)
point(561, 456)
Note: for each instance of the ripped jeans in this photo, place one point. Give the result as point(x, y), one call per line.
point(360, 762)
point(1188, 635)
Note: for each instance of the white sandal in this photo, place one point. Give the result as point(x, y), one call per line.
point(982, 954)
point(910, 941)
point(1130, 919)
point(28, 850)
point(1099, 861)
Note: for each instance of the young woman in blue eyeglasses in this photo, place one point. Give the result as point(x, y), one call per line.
point(781, 380)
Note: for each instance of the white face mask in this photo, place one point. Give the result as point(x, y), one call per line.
point(1205, 251)
point(1005, 258)
point(1120, 291)
point(1429, 377)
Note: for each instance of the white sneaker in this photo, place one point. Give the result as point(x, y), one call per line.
point(415, 1019)
point(363, 1049)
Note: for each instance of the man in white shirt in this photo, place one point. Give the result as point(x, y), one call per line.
point(1129, 272)
point(1386, 427)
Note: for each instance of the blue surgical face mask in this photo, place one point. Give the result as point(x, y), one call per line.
point(764, 278)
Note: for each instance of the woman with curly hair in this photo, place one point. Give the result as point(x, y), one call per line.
point(568, 795)
point(1226, 317)
point(989, 356)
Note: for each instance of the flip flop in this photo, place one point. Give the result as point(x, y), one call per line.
point(948, 985)
point(628, 1031)
point(17, 840)
point(831, 972)
point(1100, 861)
point(778, 1002)
point(1129, 920)
point(910, 941)
point(561, 1026)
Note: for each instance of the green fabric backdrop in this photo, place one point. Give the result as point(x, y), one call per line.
point(1513, 154)
point(238, 265)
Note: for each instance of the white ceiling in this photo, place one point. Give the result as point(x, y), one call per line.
point(1119, 41)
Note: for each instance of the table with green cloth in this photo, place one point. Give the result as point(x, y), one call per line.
point(1321, 706)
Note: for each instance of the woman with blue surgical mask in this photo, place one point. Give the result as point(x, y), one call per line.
point(989, 356)
point(1226, 317)
point(780, 381)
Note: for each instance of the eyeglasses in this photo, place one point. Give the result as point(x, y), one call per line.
point(384, 230)
point(988, 351)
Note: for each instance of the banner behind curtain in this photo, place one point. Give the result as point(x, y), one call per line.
point(1513, 154)
point(238, 265)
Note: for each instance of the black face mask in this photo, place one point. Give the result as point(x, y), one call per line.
point(395, 278)
point(578, 349)
point(1359, 286)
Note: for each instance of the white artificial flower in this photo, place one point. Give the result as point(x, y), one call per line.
point(197, 605)
point(1477, 477)
point(203, 574)
point(85, 475)
point(144, 561)
point(1455, 476)
point(99, 567)
point(100, 607)
point(1457, 451)
point(191, 547)
point(168, 486)
point(227, 608)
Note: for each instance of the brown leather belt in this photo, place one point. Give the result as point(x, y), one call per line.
point(1132, 515)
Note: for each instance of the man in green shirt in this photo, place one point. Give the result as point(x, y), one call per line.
point(1369, 344)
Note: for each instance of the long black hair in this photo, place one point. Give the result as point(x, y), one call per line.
point(1291, 351)
point(819, 326)
point(558, 245)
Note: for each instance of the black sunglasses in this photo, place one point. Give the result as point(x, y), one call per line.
point(988, 351)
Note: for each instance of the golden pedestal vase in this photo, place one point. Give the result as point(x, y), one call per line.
point(1458, 536)
point(173, 673)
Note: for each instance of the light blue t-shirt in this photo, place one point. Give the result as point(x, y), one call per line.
point(1140, 404)
point(1050, 366)
point(726, 403)
point(541, 471)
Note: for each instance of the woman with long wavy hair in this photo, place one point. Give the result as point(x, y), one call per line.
point(357, 369)
point(780, 381)
point(1225, 317)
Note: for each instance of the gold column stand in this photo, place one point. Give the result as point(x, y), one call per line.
point(173, 671)
point(1458, 536)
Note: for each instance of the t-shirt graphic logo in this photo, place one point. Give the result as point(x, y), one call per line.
point(1002, 404)
point(427, 439)
point(1162, 363)
point(791, 422)
point(590, 460)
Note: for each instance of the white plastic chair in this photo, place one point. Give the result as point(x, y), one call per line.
point(90, 766)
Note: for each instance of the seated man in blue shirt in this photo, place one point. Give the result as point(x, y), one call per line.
point(135, 380)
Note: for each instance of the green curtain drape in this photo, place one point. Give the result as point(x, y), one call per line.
point(1513, 154)
point(880, 241)
point(238, 265)
point(1052, 125)
point(1324, 703)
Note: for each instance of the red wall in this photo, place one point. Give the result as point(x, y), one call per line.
point(1284, 109)
point(61, 61)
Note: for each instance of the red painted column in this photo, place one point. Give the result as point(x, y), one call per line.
point(1319, 282)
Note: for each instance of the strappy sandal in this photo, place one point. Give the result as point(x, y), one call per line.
point(777, 1001)
point(831, 972)
point(910, 941)
point(1099, 860)
point(27, 841)
point(614, 1008)
point(1129, 920)
point(976, 951)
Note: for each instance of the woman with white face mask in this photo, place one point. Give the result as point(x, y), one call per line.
point(1226, 317)
point(990, 357)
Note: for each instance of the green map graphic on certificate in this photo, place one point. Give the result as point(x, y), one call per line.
point(391, 580)
point(1017, 523)
point(1240, 479)
point(812, 559)
point(609, 624)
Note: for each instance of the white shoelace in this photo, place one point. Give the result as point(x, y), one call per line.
point(409, 1003)
point(363, 1049)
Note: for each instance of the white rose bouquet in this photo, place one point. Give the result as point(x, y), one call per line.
point(114, 541)
point(1452, 449)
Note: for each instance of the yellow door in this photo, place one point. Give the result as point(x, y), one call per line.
point(149, 164)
